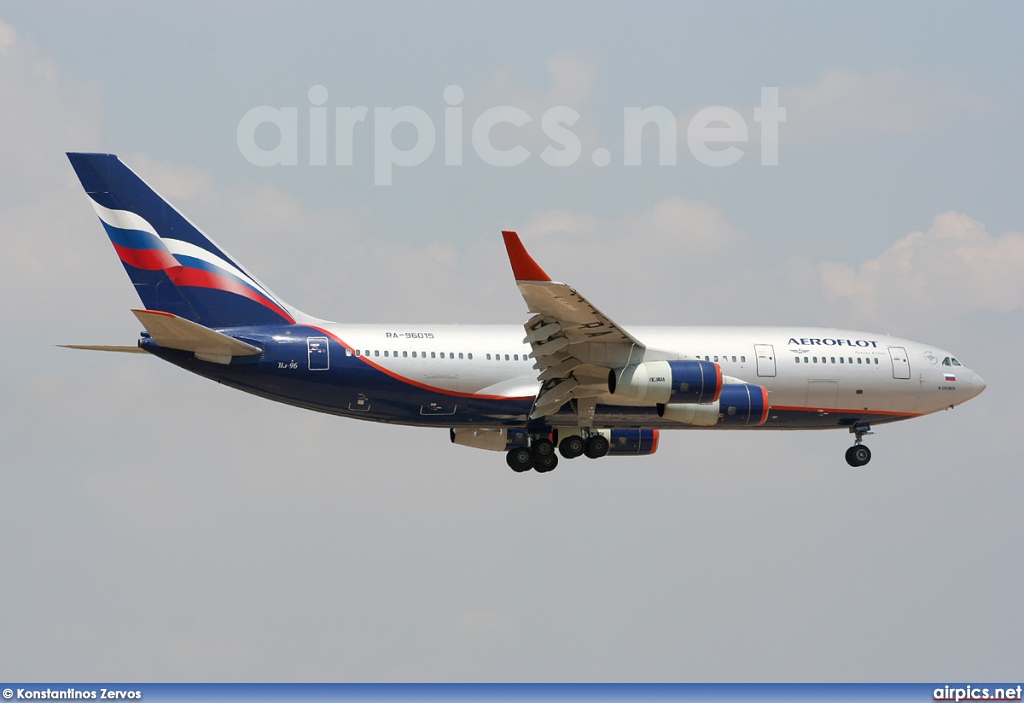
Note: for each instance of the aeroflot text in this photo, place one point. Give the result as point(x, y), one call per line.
point(811, 341)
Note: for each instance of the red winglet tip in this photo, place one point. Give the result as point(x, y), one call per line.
point(524, 268)
point(154, 312)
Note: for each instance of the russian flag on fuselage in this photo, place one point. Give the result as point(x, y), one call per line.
point(174, 266)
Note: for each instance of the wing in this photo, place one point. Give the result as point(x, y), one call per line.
point(574, 344)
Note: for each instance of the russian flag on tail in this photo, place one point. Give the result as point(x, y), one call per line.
point(175, 267)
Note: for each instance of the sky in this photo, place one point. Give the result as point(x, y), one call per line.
point(156, 526)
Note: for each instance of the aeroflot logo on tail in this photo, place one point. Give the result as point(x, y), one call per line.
point(808, 341)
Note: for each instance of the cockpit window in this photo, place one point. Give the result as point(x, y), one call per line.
point(956, 363)
point(945, 362)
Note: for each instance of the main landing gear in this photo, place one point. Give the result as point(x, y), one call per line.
point(859, 454)
point(541, 456)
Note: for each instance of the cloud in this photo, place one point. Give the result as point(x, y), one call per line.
point(693, 226)
point(844, 101)
point(8, 36)
point(953, 268)
point(890, 101)
point(570, 80)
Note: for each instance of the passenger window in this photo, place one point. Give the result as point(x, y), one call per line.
point(376, 352)
point(357, 352)
point(460, 355)
point(716, 357)
point(405, 355)
point(348, 352)
point(743, 359)
point(833, 360)
point(876, 360)
point(385, 352)
point(859, 360)
point(506, 357)
point(806, 360)
point(469, 355)
point(515, 357)
point(798, 360)
point(734, 360)
point(432, 355)
point(815, 360)
point(842, 360)
point(851, 359)
point(707, 358)
point(488, 357)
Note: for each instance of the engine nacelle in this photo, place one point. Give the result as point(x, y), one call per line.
point(668, 381)
point(632, 442)
point(495, 439)
point(739, 404)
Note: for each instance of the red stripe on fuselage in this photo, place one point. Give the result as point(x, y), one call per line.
point(847, 411)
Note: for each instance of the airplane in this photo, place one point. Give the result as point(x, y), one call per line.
point(570, 378)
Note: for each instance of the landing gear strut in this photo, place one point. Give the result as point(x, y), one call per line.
point(859, 454)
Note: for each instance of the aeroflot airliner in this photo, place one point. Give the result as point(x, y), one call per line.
point(576, 380)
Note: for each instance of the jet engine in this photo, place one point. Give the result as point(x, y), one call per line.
point(628, 442)
point(668, 381)
point(739, 404)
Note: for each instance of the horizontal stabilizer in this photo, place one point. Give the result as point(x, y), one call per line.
point(173, 332)
point(100, 347)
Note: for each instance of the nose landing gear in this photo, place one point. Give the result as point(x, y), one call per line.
point(859, 454)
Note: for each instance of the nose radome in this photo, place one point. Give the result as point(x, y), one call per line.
point(979, 384)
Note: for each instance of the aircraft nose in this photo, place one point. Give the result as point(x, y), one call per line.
point(979, 384)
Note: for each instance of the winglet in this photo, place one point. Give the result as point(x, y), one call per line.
point(523, 266)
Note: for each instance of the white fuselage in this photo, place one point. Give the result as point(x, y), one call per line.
point(806, 370)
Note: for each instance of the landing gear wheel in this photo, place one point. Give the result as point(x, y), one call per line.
point(548, 463)
point(597, 446)
point(572, 447)
point(543, 448)
point(858, 455)
point(519, 459)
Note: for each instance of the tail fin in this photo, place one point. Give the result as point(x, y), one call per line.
point(175, 267)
